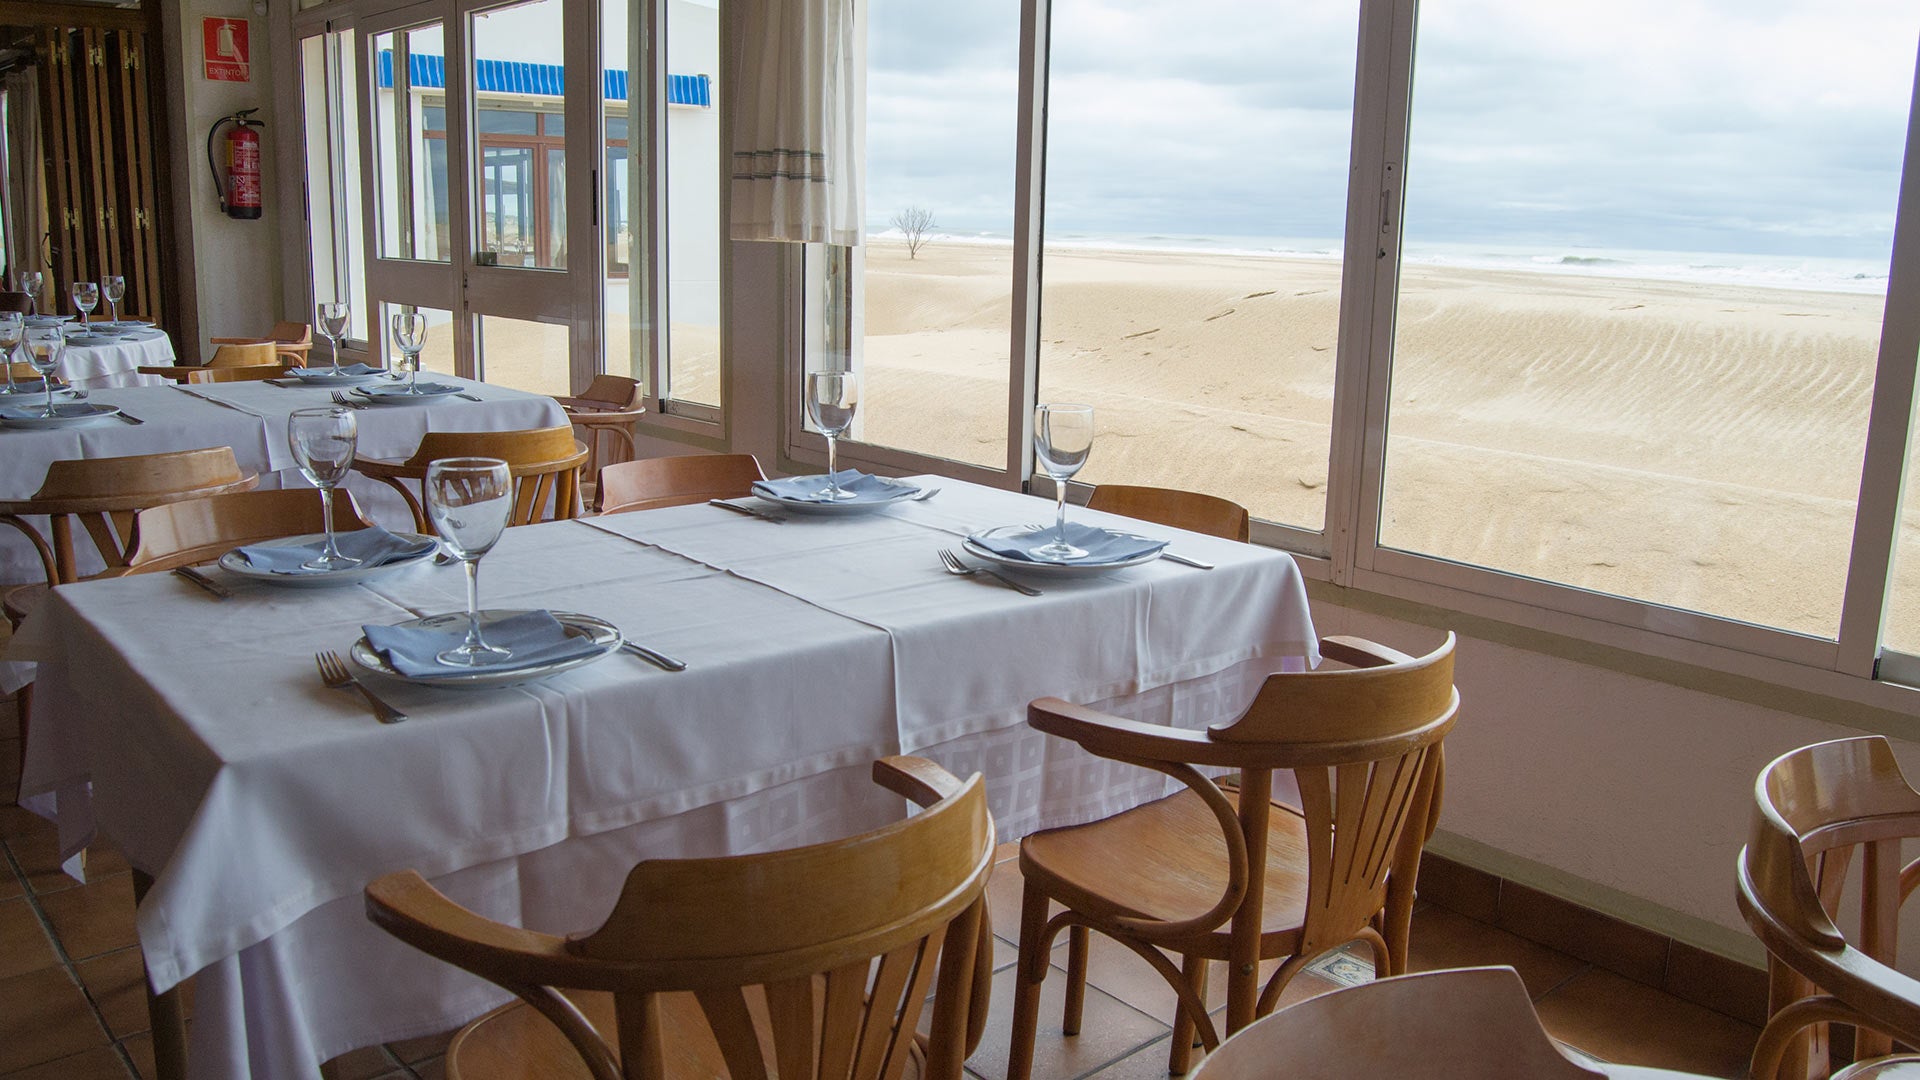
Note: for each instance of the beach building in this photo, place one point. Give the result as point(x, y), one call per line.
point(1591, 343)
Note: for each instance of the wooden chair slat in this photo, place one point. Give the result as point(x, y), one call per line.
point(794, 1024)
point(732, 1024)
point(543, 462)
point(1187, 510)
point(889, 982)
point(844, 1008)
point(652, 483)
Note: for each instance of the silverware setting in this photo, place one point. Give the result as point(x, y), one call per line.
point(342, 399)
point(128, 418)
point(470, 397)
point(747, 510)
point(333, 672)
point(960, 569)
point(657, 659)
point(1184, 560)
point(188, 573)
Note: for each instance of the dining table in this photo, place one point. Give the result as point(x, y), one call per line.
point(260, 801)
point(113, 355)
point(250, 417)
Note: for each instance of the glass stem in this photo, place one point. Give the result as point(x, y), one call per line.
point(833, 485)
point(1060, 508)
point(47, 380)
point(8, 356)
point(326, 522)
point(474, 644)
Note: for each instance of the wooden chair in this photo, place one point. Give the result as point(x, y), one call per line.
point(1174, 508)
point(1820, 811)
point(1464, 1024)
point(652, 483)
point(259, 354)
point(201, 530)
point(545, 463)
point(252, 373)
point(16, 301)
point(1217, 876)
point(810, 962)
point(291, 340)
point(605, 413)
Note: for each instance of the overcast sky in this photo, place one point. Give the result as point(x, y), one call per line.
point(1766, 126)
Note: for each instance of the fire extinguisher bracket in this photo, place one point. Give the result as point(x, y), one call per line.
point(239, 188)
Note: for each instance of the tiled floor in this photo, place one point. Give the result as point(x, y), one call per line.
point(71, 1005)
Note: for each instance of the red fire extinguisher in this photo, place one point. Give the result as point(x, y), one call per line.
point(240, 189)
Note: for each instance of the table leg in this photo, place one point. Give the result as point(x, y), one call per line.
point(164, 1012)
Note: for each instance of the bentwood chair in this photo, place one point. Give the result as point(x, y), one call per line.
point(545, 463)
point(603, 415)
point(1819, 812)
point(1464, 1024)
point(1233, 877)
point(812, 963)
point(1177, 509)
point(253, 373)
point(291, 340)
point(16, 301)
point(201, 530)
point(262, 354)
point(651, 483)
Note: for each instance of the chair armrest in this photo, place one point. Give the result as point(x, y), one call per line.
point(238, 341)
point(1360, 652)
point(1113, 736)
point(176, 372)
point(916, 779)
point(407, 906)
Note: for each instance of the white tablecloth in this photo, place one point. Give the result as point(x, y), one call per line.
point(264, 802)
point(96, 366)
point(251, 418)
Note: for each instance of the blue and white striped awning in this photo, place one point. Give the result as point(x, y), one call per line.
point(427, 72)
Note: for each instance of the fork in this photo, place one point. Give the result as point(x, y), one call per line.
point(342, 399)
point(961, 569)
point(333, 672)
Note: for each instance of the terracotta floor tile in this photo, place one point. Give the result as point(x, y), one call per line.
point(1619, 1020)
point(431, 1069)
point(102, 1063)
point(104, 860)
point(1008, 850)
point(36, 848)
point(10, 884)
point(1443, 939)
point(366, 1063)
point(93, 918)
point(117, 983)
point(1147, 1063)
point(15, 820)
point(140, 1049)
point(10, 768)
point(410, 1051)
point(1110, 1030)
point(24, 945)
point(44, 1017)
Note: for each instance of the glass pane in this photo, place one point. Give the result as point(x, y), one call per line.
point(693, 210)
point(523, 202)
point(1192, 291)
point(932, 326)
point(332, 144)
point(625, 338)
point(530, 356)
point(438, 355)
point(411, 166)
point(1644, 266)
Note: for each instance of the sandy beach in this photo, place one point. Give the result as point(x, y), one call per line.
point(1696, 445)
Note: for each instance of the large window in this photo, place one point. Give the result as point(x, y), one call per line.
point(1568, 312)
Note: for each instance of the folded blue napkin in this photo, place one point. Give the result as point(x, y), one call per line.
point(328, 372)
point(425, 389)
point(534, 637)
point(1101, 545)
point(373, 547)
point(810, 489)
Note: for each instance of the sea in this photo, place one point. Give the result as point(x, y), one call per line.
point(1801, 272)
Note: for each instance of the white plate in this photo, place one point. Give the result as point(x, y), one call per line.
point(1055, 569)
point(47, 320)
point(111, 325)
point(235, 563)
point(396, 393)
point(603, 634)
point(24, 396)
point(96, 411)
point(89, 341)
point(903, 492)
point(325, 377)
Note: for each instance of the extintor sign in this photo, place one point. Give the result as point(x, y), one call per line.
point(224, 47)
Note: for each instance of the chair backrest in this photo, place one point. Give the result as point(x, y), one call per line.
point(1820, 811)
point(200, 530)
point(835, 945)
point(545, 463)
point(652, 483)
point(104, 494)
point(250, 373)
point(16, 301)
point(1364, 743)
point(1178, 509)
point(609, 392)
point(291, 333)
point(1463, 1024)
point(227, 356)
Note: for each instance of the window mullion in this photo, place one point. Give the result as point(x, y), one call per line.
point(1030, 157)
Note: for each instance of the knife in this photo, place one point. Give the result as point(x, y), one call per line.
point(657, 659)
point(218, 590)
point(1184, 560)
point(747, 510)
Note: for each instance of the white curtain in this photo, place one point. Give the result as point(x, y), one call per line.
point(794, 100)
point(25, 171)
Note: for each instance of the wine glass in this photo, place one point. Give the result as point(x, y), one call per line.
point(115, 286)
point(86, 297)
point(323, 441)
point(1062, 438)
point(13, 328)
point(831, 399)
point(410, 336)
point(30, 282)
point(334, 316)
point(468, 500)
point(44, 345)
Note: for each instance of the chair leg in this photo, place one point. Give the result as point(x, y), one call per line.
point(1030, 972)
point(1186, 1031)
point(1076, 980)
point(164, 1013)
